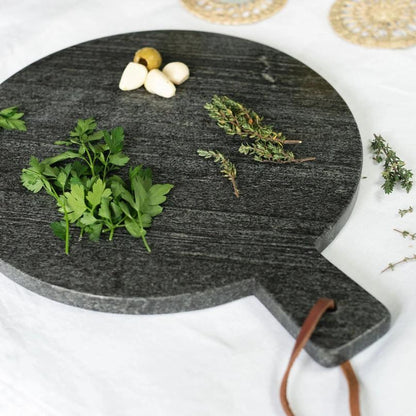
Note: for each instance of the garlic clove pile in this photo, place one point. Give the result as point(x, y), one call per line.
point(133, 76)
point(177, 72)
point(144, 70)
point(158, 83)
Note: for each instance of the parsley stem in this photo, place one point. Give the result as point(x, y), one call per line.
point(139, 217)
point(53, 193)
point(90, 163)
point(145, 244)
point(106, 165)
point(66, 231)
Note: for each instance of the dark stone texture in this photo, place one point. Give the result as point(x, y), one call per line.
point(208, 246)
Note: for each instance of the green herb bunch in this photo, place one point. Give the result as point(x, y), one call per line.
point(394, 168)
point(227, 167)
point(10, 119)
point(235, 119)
point(87, 192)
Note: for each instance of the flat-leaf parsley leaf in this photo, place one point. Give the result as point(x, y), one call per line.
point(11, 119)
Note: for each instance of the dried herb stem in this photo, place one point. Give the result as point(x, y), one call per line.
point(391, 266)
point(406, 234)
point(305, 159)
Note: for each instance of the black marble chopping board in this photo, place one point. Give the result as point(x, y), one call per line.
point(208, 247)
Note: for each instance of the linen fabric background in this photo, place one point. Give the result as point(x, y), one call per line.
point(229, 360)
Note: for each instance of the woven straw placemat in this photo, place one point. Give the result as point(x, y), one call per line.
point(237, 12)
point(376, 23)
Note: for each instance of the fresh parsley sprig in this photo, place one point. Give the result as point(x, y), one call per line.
point(11, 119)
point(88, 193)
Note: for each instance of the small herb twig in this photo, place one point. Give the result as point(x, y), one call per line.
point(403, 212)
point(235, 119)
point(391, 266)
point(267, 154)
point(228, 168)
point(10, 119)
point(406, 234)
point(394, 168)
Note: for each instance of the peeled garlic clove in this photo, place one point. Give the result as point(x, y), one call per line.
point(133, 76)
point(158, 83)
point(177, 72)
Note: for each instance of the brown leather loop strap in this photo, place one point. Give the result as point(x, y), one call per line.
point(309, 325)
point(353, 388)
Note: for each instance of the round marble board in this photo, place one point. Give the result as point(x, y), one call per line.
point(208, 247)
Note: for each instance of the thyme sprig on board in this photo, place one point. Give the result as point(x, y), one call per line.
point(228, 168)
point(235, 119)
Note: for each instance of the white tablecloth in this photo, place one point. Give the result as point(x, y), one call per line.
point(229, 360)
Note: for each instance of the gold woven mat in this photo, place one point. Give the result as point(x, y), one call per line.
point(237, 12)
point(376, 23)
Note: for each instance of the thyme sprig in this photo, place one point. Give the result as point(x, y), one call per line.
point(394, 168)
point(391, 266)
point(394, 173)
point(267, 152)
point(403, 212)
point(228, 168)
point(235, 119)
point(406, 234)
